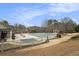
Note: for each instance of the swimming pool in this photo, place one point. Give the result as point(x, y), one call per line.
point(34, 38)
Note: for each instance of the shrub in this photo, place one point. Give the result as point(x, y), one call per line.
point(58, 35)
point(33, 31)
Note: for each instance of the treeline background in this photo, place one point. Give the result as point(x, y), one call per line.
point(64, 25)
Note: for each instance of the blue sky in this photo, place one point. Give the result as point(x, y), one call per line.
point(30, 14)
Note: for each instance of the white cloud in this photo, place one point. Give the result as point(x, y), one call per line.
point(25, 15)
point(64, 8)
point(28, 14)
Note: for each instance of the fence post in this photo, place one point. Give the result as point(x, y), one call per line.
point(47, 39)
point(20, 44)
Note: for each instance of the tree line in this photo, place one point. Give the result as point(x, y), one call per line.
point(16, 28)
point(64, 25)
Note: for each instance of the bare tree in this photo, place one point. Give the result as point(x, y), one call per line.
point(68, 24)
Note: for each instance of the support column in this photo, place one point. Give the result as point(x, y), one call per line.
point(10, 34)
